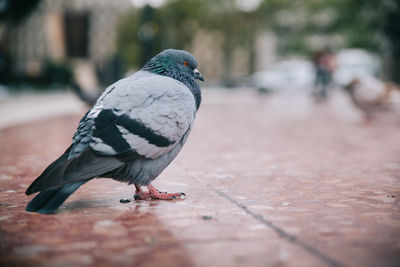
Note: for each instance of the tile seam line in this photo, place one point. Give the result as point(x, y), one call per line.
point(282, 233)
point(199, 242)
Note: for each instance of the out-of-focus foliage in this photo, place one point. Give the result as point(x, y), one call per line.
point(176, 23)
point(128, 42)
point(57, 74)
point(391, 29)
point(173, 25)
point(15, 11)
point(391, 24)
point(301, 27)
point(354, 23)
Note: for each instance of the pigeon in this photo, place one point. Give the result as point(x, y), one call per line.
point(372, 96)
point(131, 134)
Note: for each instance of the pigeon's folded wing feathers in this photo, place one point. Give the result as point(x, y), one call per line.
point(144, 114)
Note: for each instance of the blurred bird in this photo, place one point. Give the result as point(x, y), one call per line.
point(134, 130)
point(372, 96)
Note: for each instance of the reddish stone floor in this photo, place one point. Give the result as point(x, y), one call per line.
point(270, 181)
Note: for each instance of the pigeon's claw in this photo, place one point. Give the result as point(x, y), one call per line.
point(156, 194)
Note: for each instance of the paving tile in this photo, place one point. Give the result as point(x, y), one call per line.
point(275, 181)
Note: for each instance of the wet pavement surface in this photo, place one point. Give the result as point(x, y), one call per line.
point(270, 181)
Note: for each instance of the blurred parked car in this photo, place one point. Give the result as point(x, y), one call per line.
point(293, 75)
point(355, 63)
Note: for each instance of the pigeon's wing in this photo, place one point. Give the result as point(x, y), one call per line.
point(144, 115)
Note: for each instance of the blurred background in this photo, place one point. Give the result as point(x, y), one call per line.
point(271, 46)
point(49, 44)
point(308, 46)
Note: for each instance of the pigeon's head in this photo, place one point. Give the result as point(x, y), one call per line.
point(177, 64)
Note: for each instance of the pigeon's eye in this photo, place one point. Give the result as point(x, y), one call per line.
point(185, 63)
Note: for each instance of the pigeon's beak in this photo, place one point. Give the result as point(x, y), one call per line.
point(197, 75)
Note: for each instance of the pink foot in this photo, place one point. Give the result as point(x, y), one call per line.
point(155, 194)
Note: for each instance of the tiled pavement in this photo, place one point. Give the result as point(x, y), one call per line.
point(270, 181)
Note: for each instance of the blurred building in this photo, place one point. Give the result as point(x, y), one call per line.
point(81, 32)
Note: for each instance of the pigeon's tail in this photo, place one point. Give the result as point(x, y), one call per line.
point(48, 200)
point(64, 171)
point(64, 176)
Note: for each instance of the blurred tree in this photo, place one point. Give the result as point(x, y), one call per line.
point(391, 29)
point(15, 11)
point(12, 12)
point(354, 23)
point(147, 31)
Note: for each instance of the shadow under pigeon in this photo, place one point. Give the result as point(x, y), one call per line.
point(84, 233)
point(93, 228)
